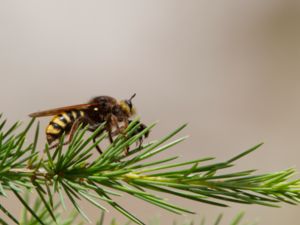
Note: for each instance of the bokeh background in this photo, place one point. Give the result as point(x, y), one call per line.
point(229, 68)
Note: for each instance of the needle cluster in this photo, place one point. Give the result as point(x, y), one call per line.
point(70, 173)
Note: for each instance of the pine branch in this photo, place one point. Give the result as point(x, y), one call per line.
point(69, 172)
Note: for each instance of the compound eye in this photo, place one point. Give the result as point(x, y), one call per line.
point(116, 110)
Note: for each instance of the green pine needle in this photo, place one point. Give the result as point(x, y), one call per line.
point(69, 172)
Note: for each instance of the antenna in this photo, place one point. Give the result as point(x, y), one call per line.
point(132, 96)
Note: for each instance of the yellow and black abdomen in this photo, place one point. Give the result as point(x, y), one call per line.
point(62, 123)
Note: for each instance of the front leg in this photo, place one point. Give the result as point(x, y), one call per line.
point(120, 130)
point(114, 122)
point(111, 121)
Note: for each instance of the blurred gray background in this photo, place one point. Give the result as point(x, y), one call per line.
point(229, 68)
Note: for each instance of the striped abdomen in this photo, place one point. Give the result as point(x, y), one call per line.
point(62, 123)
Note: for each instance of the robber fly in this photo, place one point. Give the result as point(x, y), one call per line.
point(116, 115)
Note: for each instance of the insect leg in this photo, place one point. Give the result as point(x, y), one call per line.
point(120, 130)
point(93, 129)
point(111, 121)
point(110, 136)
point(97, 146)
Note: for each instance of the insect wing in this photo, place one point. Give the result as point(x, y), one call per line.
point(56, 111)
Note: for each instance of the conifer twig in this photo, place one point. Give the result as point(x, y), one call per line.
point(69, 172)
